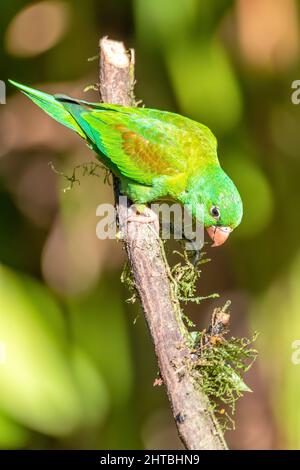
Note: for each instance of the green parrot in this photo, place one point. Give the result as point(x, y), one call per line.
point(155, 154)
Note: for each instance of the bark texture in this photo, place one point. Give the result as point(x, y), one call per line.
point(196, 424)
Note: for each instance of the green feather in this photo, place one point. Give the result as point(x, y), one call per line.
point(156, 154)
point(52, 107)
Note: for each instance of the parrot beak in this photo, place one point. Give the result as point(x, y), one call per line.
point(218, 235)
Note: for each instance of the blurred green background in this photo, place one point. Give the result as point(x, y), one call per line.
point(76, 369)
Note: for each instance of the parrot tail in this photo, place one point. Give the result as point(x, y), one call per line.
point(53, 105)
point(68, 111)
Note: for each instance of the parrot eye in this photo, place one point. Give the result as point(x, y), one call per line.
point(215, 212)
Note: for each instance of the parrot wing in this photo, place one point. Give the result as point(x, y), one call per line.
point(138, 143)
point(139, 147)
point(144, 144)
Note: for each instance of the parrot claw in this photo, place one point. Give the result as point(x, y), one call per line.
point(196, 257)
point(143, 215)
point(196, 251)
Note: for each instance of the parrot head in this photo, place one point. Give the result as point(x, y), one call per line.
point(221, 202)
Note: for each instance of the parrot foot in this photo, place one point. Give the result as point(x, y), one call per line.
point(196, 257)
point(196, 252)
point(143, 215)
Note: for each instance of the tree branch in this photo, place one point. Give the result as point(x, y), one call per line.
point(196, 424)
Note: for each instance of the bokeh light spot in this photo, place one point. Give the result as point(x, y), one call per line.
point(37, 28)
